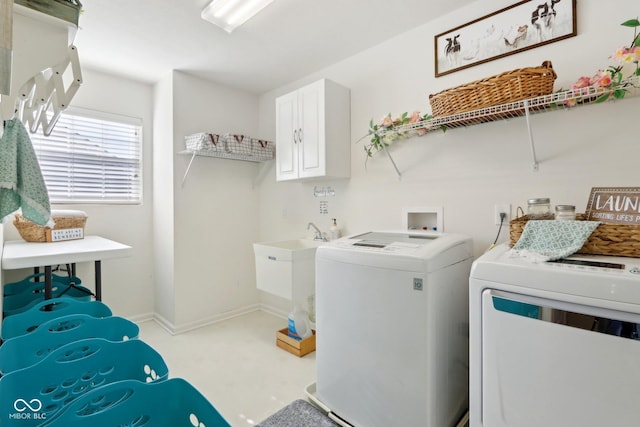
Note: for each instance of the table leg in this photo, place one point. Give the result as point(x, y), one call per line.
point(47, 282)
point(98, 281)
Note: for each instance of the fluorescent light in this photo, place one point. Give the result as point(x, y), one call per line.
point(229, 14)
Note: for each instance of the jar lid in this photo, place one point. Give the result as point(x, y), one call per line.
point(540, 201)
point(565, 208)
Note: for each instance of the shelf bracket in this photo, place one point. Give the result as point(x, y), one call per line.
point(531, 143)
point(264, 168)
point(392, 162)
point(184, 178)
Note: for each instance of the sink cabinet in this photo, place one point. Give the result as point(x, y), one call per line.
point(286, 269)
point(313, 132)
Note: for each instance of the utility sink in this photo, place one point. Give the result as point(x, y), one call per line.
point(287, 268)
point(307, 246)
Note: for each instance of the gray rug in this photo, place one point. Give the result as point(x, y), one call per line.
point(298, 413)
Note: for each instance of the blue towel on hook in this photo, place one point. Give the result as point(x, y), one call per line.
point(21, 182)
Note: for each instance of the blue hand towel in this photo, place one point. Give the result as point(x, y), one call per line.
point(21, 182)
point(550, 240)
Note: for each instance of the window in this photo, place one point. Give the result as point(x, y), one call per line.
point(91, 157)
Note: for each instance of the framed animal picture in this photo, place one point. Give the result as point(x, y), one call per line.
point(525, 25)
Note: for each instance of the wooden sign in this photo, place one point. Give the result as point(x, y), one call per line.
point(62, 234)
point(614, 205)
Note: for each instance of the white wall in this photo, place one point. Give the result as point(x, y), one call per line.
point(127, 282)
point(215, 214)
point(193, 259)
point(468, 170)
point(163, 215)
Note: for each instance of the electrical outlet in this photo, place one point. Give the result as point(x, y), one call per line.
point(506, 208)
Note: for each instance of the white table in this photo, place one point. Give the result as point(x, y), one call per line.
point(21, 254)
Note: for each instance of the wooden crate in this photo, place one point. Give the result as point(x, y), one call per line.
point(299, 348)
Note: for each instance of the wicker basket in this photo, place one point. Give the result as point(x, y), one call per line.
point(607, 239)
point(32, 232)
point(503, 88)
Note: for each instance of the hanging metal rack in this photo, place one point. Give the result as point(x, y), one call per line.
point(556, 101)
point(226, 155)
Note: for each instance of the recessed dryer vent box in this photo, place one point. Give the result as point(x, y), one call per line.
point(423, 218)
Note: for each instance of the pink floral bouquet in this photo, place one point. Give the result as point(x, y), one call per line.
point(388, 130)
point(611, 82)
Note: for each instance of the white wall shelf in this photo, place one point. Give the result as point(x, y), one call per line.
point(553, 102)
point(225, 155)
point(36, 48)
point(66, 10)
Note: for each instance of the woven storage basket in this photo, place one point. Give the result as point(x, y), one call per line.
point(503, 88)
point(32, 232)
point(607, 239)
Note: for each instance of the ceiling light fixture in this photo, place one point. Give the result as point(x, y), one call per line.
point(229, 14)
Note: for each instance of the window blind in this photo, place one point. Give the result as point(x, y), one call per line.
point(91, 157)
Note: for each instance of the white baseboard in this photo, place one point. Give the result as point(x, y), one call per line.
point(173, 329)
point(186, 327)
point(274, 310)
point(139, 318)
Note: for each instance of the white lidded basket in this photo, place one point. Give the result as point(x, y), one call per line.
point(204, 141)
point(238, 144)
point(262, 149)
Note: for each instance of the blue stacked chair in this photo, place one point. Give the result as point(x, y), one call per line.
point(14, 288)
point(25, 350)
point(68, 362)
point(170, 403)
point(39, 392)
point(33, 293)
point(28, 321)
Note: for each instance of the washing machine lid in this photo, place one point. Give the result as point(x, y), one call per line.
point(400, 250)
point(594, 276)
point(390, 241)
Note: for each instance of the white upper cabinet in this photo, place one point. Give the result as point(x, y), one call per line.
point(313, 132)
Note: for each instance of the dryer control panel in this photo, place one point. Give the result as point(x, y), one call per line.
point(598, 265)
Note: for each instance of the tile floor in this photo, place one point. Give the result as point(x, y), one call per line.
point(236, 365)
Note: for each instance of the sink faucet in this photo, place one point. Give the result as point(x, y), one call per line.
point(319, 234)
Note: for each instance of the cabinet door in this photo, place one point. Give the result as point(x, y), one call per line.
point(311, 153)
point(287, 135)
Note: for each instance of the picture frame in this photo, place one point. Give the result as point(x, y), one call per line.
point(522, 26)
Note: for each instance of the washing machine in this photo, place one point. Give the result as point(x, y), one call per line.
point(392, 328)
point(554, 343)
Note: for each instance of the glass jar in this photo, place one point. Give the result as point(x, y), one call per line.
point(566, 212)
point(539, 208)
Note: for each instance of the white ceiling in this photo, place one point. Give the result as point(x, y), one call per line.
point(289, 39)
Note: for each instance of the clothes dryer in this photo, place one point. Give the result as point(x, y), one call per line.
point(554, 343)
